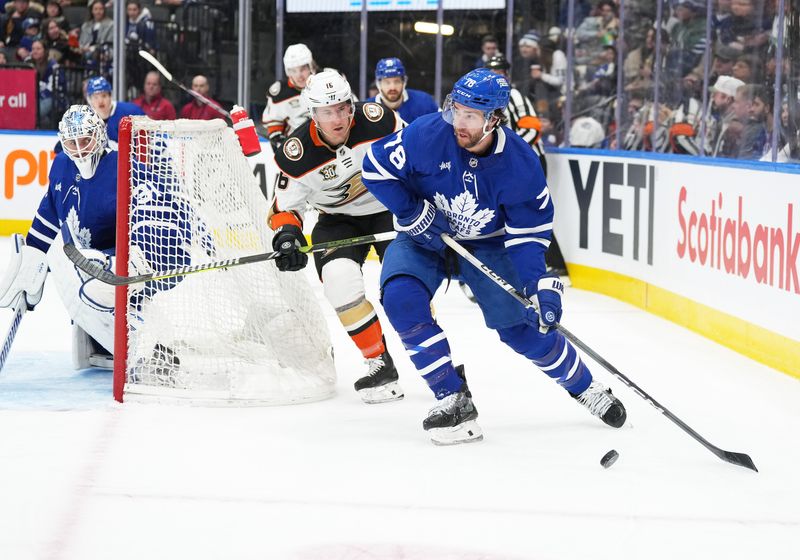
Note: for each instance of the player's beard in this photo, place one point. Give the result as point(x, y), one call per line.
point(393, 96)
point(470, 140)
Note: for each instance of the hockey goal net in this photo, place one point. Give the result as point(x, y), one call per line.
point(246, 335)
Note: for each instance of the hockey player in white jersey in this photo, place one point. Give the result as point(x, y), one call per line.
point(81, 196)
point(464, 174)
point(320, 165)
point(285, 111)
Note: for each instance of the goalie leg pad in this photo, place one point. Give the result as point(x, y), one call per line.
point(89, 302)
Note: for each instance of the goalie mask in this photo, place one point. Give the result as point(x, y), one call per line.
point(326, 89)
point(83, 137)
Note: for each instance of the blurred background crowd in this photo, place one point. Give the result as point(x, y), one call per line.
point(711, 78)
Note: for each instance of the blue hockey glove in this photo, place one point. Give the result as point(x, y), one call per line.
point(288, 239)
point(547, 297)
point(425, 226)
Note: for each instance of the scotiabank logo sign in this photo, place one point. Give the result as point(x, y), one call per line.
point(25, 167)
point(717, 234)
point(638, 178)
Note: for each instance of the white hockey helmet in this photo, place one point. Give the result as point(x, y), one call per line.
point(326, 88)
point(296, 56)
point(83, 137)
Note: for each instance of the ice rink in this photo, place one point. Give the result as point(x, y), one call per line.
point(83, 478)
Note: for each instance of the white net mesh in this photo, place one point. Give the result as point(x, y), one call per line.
point(244, 335)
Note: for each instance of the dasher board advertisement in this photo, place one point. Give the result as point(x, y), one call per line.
point(19, 90)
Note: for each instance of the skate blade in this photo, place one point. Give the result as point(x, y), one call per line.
point(103, 361)
point(384, 393)
point(466, 432)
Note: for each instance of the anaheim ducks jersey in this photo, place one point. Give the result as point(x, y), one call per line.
point(284, 112)
point(326, 177)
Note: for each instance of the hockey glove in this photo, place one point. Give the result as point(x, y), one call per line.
point(27, 270)
point(288, 239)
point(546, 294)
point(425, 226)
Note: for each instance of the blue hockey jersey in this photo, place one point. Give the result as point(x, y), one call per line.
point(500, 198)
point(89, 206)
point(415, 104)
point(119, 110)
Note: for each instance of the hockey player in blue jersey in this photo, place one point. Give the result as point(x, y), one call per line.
point(98, 93)
point(82, 196)
point(464, 174)
point(391, 80)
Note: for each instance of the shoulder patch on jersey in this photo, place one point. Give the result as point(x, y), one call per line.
point(373, 111)
point(275, 88)
point(293, 149)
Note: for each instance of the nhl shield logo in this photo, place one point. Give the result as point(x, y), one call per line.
point(293, 149)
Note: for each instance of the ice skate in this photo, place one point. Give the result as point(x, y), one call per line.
point(380, 384)
point(600, 402)
point(452, 420)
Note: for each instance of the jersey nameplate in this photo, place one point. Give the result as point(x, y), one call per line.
point(293, 149)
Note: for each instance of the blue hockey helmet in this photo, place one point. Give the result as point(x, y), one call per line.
point(389, 68)
point(481, 89)
point(96, 85)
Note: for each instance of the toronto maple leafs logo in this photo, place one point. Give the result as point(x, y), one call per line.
point(83, 235)
point(463, 214)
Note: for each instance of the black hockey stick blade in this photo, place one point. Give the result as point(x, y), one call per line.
point(741, 459)
point(95, 268)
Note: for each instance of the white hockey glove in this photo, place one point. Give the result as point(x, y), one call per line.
point(26, 272)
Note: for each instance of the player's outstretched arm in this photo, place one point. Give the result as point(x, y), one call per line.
point(26, 272)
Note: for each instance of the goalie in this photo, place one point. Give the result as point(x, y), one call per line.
point(81, 197)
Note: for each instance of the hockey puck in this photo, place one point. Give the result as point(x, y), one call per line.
point(609, 458)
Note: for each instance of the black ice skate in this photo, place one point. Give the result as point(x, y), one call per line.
point(452, 420)
point(380, 384)
point(600, 402)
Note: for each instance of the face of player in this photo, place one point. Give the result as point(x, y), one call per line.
point(334, 122)
point(299, 75)
point(392, 88)
point(101, 103)
point(469, 126)
point(80, 147)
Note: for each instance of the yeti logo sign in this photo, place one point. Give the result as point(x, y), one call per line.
point(638, 177)
point(328, 172)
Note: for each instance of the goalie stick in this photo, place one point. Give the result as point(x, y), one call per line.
point(168, 75)
point(19, 308)
point(733, 457)
point(95, 269)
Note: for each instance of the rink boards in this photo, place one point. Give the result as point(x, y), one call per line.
point(711, 245)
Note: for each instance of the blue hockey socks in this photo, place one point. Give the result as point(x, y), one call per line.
point(406, 302)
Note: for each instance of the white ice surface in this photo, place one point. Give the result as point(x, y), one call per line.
point(82, 478)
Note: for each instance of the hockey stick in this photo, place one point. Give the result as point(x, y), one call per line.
point(168, 75)
point(94, 269)
point(20, 307)
point(740, 459)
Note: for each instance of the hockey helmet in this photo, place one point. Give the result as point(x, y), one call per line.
point(482, 89)
point(84, 138)
point(324, 89)
point(498, 62)
point(296, 56)
point(389, 68)
point(96, 85)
